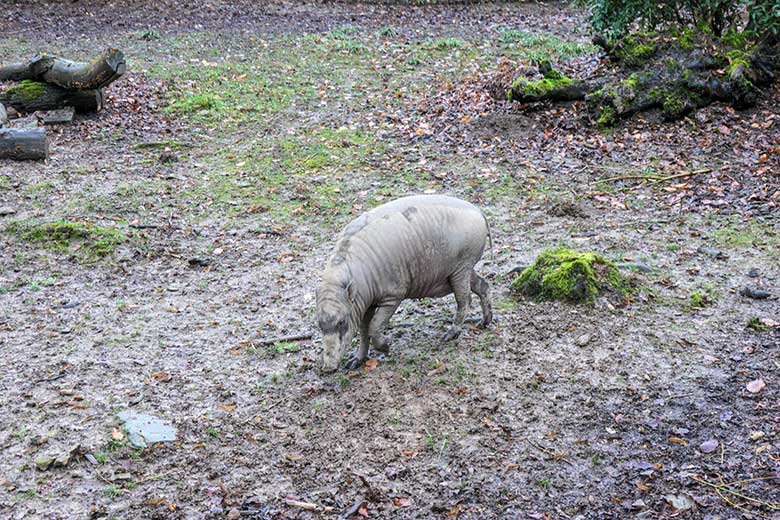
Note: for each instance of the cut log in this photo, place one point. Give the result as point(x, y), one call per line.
point(76, 75)
point(57, 117)
point(23, 144)
point(3, 116)
point(29, 96)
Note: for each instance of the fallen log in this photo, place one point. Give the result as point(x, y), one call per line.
point(106, 68)
point(23, 144)
point(29, 96)
point(674, 74)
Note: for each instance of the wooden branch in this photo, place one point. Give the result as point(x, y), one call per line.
point(294, 337)
point(23, 144)
point(654, 179)
point(308, 506)
point(106, 68)
point(30, 96)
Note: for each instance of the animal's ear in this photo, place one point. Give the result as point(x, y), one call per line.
point(351, 291)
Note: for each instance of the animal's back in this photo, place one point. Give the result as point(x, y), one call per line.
point(414, 244)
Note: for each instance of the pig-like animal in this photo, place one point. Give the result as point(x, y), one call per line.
point(415, 247)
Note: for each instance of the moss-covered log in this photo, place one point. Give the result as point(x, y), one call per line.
point(553, 86)
point(106, 68)
point(23, 144)
point(675, 74)
point(29, 96)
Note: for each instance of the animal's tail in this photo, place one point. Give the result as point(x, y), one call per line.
point(490, 238)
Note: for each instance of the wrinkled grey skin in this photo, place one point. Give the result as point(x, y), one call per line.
point(414, 247)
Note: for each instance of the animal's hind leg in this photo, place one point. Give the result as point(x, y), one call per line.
point(482, 289)
point(461, 286)
point(379, 322)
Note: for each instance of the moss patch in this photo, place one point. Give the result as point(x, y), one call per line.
point(26, 90)
point(563, 274)
point(633, 51)
point(757, 324)
point(96, 241)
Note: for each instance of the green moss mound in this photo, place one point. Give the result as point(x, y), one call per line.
point(96, 241)
point(563, 274)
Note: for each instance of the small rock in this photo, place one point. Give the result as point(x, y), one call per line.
point(44, 462)
point(6, 210)
point(708, 446)
point(64, 459)
point(755, 386)
point(91, 459)
point(712, 252)
point(756, 294)
point(200, 262)
point(168, 156)
point(145, 429)
point(638, 504)
point(754, 273)
point(756, 435)
point(233, 514)
point(583, 340)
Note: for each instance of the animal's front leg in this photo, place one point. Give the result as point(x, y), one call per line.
point(360, 356)
point(378, 323)
point(461, 286)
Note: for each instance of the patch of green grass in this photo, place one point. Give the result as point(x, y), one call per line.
point(286, 347)
point(737, 233)
point(95, 241)
point(203, 102)
point(27, 494)
point(447, 44)
point(343, 381)
point(38, 283)
point(545, 483)
point(757, 324)
point(111, 492)
point(213, 433)
point(541, 46)
point(21, 433)
point(705, 296)
point(101, 457)
point(5, 183)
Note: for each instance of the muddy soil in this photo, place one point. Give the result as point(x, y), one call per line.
point(556, 411)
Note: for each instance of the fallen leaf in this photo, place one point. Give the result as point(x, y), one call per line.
point(401, 502)
point(370, 365)
point(677, 440)
point(162, 377)
point(363, 511)
point(756, 386)
point(454, 511)
point(228, 407)
point(117, 435)
point(681, 502)
point(643, 487)
point(293, 457)
point(708, 446)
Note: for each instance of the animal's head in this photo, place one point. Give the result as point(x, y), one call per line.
point(334, 317)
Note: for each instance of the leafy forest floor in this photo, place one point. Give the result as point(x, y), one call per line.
point(207, 196)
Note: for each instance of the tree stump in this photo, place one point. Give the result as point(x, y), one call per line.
point(23, 144)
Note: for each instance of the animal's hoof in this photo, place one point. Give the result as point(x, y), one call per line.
point(355, 363)
point(451, 334)
point(483, 324)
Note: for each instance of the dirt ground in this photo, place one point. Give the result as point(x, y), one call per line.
point(243, 137)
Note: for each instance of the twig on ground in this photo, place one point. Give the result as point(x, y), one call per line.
point(308, 506)
point(293, 337)
point(555, 456)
